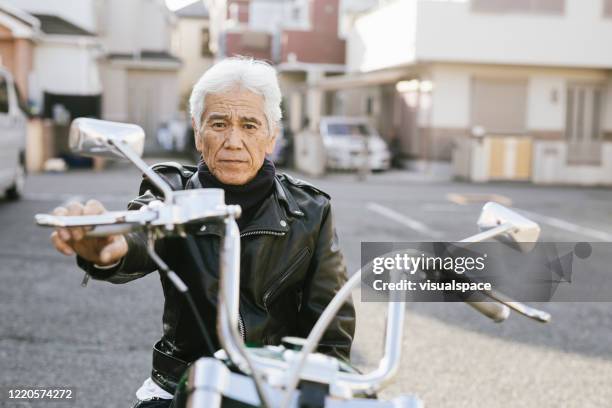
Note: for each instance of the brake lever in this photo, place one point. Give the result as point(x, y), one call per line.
point(105, 224)
point(519, 307)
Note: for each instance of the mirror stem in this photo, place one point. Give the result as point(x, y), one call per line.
point(488, 234)
point(146, 170)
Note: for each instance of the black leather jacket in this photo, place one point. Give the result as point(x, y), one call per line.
point(291, 267)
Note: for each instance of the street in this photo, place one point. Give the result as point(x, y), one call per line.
point(98, 339)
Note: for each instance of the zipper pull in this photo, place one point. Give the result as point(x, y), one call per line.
point(85, 280)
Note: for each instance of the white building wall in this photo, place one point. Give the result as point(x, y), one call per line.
point(187, 45)
point(546, 99)
point(64, 68)
point(383, 38)
point(79, 12)
point(546, 93)
point(451, 98)
point(114, 102)
point(550, 166)
point(607, 117)
point(450, 31)
point(136, 25)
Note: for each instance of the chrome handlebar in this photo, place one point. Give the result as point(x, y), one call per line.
point(205, 205)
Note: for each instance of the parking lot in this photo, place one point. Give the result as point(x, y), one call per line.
point(98, 339)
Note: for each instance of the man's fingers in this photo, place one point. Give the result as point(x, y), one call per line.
point(115, 250)
point(62, 232)
point(93, 207)
point(60, 244)
point(75, 208)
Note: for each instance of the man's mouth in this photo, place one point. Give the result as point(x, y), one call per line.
point(232, 161)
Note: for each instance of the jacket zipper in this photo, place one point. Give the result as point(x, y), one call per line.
point(241, 325)
point(263, 232)
point(283, 278)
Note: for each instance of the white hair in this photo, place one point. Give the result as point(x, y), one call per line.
point(254, 75)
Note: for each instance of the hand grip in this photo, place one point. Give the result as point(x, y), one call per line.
point(107, 230)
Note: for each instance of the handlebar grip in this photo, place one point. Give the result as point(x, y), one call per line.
point(493, 310)
point(106, 230)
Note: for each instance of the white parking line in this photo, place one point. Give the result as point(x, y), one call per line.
point(403, 219)
point(568, 226)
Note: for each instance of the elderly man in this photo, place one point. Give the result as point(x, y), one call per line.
point(291, 264)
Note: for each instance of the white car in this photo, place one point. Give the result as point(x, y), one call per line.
point(344, 139)
point(13, 124)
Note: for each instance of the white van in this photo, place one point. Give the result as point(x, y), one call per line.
point(13, 123)
point(343, 138)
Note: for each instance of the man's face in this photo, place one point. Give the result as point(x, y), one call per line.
point(234, 137)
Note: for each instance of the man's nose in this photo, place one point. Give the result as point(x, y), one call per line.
point(234, 138)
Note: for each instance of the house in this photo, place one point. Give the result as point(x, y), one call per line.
point(58, 67)
point(17, 33)
point(511, 90)
point(139, 72)
point(302, 38)
point(103, 58)
point(191, 44)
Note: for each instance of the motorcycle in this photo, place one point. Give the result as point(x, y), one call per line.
point(291, 374)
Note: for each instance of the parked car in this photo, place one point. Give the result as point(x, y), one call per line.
point(13, 123)
point(344, 139)
point(282, 149)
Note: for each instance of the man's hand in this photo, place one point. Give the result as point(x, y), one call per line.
point(101, 251)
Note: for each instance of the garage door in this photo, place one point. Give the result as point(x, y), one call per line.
point(499, 106)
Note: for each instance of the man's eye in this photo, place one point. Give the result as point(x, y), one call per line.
point(218, 125)
point(250, 126)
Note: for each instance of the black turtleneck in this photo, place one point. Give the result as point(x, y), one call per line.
point(248, 196)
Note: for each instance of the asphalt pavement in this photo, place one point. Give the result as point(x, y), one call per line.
point(98, 339)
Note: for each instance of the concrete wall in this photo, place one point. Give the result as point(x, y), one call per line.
point(187, 45)
point(383, 38)
point(451, 95)
point(550, 166)
point(64, 68)
point(546, 93)
point(580, 37)
point(114, 101)
point(607, 119)
point(79, 12)
point(135, 25)
point(405, 31)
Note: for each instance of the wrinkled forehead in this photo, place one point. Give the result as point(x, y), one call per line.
point(235, 102)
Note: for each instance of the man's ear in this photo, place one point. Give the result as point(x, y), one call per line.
point(272, 139)
point(196, 136)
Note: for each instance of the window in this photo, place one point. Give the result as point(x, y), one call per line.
point(347, 129)
point(583, 123)
point(607, 8)
point(205, 50)
point(4, 96)
point(520, 6)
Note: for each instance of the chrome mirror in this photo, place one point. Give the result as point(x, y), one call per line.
point(512, 227)
point(93, 137)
